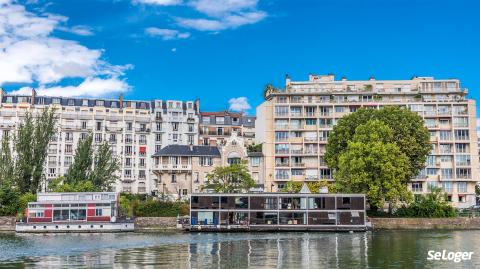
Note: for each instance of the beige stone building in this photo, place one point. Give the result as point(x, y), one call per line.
point(182, 170)
point(294, 125)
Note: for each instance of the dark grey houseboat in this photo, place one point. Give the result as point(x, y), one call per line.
point(277, 211)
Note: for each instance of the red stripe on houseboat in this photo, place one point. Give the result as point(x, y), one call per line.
point(40, 219)
point(98, 218)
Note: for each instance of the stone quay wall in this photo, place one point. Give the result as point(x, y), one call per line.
point(426, 223)
point(155, 223)
point(7, 224)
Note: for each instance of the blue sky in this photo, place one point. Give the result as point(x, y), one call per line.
point(222, 49)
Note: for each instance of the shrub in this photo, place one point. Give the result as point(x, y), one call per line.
point(152, 208)
point(431, 205)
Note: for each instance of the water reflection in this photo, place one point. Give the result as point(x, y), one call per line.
point(394, 249)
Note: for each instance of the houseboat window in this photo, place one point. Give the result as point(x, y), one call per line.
point(194, 199)
point(60, 215)
point(293, 203)
point(316, 203)
point(97, 197)
point(104, 196)
point(346, 200)
point(294, 218)
point(270, 203)
point(98, 212)
point(241, 202)
point(262, 218)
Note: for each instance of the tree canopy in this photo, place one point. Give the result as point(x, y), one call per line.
point(373, 164)
point(92, 168)
point(408, 133)
point(230, 179)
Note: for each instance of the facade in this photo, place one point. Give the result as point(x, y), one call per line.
point(134, 129)
point(181, 170)
point(216, 127)
point(277, 211)
point(73, 212)
point(294, 125)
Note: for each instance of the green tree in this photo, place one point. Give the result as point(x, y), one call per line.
point(97, 167)
point(105, 166)
point(408, 132)
point(30, 145)
point(6, 160)
point(374, 165)
point(432, 205)
point(230, 179)
point(82, 162)
point(314, 186)
point(59, 184)
point(44, 129)
point(9, 199)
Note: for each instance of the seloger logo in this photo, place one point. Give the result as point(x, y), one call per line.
point(449, 256)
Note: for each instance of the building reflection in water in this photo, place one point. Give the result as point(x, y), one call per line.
point(290, 250)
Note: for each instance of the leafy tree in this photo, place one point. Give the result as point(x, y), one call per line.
point(314, 186)
point(30, 144)
point(9, 199)
point(105, 166)
point(374, 165)
point(254, 148)
point(60, 185)
point(230, 179)
point(408, 133)
point(82, 162)
point(44, 129)
point(6, 160)
point(97, 167)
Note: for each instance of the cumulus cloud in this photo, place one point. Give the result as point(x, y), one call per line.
point(166, 34)
point(239, 104)
point(219, 8)
point(29, 53)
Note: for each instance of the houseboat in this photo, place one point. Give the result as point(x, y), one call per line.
point(277, 211)
point(74, 212)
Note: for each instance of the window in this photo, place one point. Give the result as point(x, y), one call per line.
point(206, 161)
point(159, 126)
point(447, 173)
point(113, 138)
point(281, 136)
point(128, 150)
point(99, 103)
point(175, 126)
point(339, 109)
point(219, 120)
point(129, 126)
point(462, 160)
point(55, 100)
point(185, 192)
point(128, 173)
point(158, 137)
point(98, 138)
point(254, 161)
point(461, 186)
point(445, 135)
point(281, 111)
point(190, 139)
point(141, 174)
point(68, 161)
point(98, 126)
point(142, 139)
point(128, 162)
point(196, 177)
point(462, 135)
point(206, 120)
point(220, 131)
point(174, 178)
point(431, 171)
point(447, 186)
point(417, 186)
point(68, 149)
point(311, 122)
point(462, 148)
point(463, 173)
point(98, 212)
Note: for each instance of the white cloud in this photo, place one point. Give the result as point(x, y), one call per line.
point(30, 54)
point(219, 8)
point(159, 2)
point(78, 30)
point(166, 34)
point(174, 49)
point(228, 22)
point(239, 104)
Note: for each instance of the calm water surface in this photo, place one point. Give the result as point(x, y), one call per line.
point(385, 249)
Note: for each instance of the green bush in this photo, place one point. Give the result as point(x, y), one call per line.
point(140, 205)
point(9, 200)
point(431, 205)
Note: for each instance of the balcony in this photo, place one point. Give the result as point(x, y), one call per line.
point(298, 164)
point(309, 127)
point(190, 120)
point(114, 117)
point(175, 167)
point(66, 115)
point(295, 139)
point(282, 164)
point(142, 130)
point(85, 116)
point(113, 129)
point(296, 151)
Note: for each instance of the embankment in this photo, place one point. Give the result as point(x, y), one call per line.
point(425, 223)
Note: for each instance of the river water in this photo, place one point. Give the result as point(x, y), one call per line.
point(383, 249)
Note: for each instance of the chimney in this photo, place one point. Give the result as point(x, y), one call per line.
point(34, 94)
point(120, 101)
point(344, 78)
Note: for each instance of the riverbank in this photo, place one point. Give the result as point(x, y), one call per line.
point(460, 223)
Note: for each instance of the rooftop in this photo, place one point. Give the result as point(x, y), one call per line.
point(184, 150)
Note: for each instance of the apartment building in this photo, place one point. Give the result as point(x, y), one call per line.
point(182, 169)
point(294, 125)
point(134, 129)
point(216, 127)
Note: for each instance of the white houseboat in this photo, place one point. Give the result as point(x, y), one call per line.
point(74, 212)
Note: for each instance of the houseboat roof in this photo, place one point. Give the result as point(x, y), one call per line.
point(186, 150)
point(67, 197)
point(282, 194)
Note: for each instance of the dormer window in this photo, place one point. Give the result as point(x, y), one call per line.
point(56, 101)
point(84, 102)
point(71, 102)
point(99, 103)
